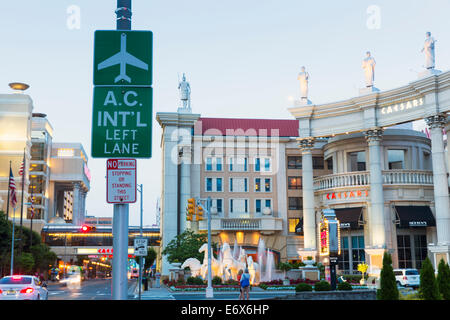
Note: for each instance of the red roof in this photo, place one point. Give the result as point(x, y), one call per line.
point(246, 127)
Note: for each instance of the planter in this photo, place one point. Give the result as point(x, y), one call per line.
point(308, 263)
point(286, 282)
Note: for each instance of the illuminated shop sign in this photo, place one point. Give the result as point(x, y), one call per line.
point(329, 237)
point(402, 106)
point(347, 194)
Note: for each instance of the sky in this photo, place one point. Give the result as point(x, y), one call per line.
point(240, 57)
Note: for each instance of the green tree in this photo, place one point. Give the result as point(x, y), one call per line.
point(184, 246)
point(149, 258)
point(43, 257)
point(5, 244)
point(443, 280)
point(25, 262)
point(285, 267)
point(388, 286)
point(428, 289)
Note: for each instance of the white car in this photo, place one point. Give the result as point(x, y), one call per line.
point(21, 287)
point(407, 277)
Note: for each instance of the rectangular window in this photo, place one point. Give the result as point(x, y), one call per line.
point(238, 184)
point(344, 258)
point(358, 253)
point(420, 249)
point(218, 164)
point(267, 165)
point(318, 162)
point(267, 184)
point(294, 162)
point(208, 164)
point(294, 183)
point(257, 185)
point(258, 206)
point(330, 163)
point(219, 184)
point(209, 184)
point(238, 164)
point(268, 203)
point(293, 222)
point(295, 203)
point(357, 161)
point(396, 159)
point(404, 251)
point(257, 164)
point(239, 205)
point(219, 205)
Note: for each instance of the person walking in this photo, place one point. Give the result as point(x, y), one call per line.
point(245, 285)
point(239, 280)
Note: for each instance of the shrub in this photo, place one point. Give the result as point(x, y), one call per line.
point(344, 286)
point(263, 286)
point(428, 289)
point(322, 286)
point(217, 280)
point(352, 278)
point(194, 280)
point(443, 280)
point(301, 287)
point(388, 285)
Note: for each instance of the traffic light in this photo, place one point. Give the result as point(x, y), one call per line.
point(190, 211)
point(199, 216)
point(85, 228)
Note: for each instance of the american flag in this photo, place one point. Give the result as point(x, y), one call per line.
point(32, 207)
point(12, 188)
point(21, 169)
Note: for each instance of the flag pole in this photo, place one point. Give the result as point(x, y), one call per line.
point(31, 218)
point(23, 186)
point(7, 204)
point(12, 243)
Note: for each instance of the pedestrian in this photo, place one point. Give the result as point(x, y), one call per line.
point(245, 284)
point(239, 280)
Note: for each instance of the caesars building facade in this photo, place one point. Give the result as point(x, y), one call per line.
point(270, 179)
point(56, 175)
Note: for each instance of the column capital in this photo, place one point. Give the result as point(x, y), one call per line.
point(436, 121)
point(306, 144)
point(375, 134)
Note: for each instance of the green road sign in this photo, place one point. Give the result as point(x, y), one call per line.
point(122, 122)
point(123, 58)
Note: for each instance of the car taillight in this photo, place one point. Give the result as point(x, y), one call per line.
point(1, 291)
point(27, 290)
point(405, 278)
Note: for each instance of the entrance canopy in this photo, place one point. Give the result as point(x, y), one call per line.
point(350, 218)
point(415, 216)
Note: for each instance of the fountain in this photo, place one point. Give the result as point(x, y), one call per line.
point(230, 261)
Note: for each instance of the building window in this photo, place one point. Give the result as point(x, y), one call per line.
point(267, 166)
point(268, 184)
point(208, 164)
point(218, 204)
point(358, 254)
point(420, 249)
point(213, 164)
point(295, 203)
point(318, 163)
point(238, 185)
point(214, 187)
point(239, 205)
point(258, 205)
point(238, 164)
point(257, 184)
point(396, 159)
point(357, 161)
point(294, 183)
point(344, 258)
point(268, 203)
point(294, 162)
point(293, 222)
point(329, 163)
point(404, 251)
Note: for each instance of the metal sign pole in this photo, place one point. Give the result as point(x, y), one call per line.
point(121, 211)
point(141, 266)
point(209, 289)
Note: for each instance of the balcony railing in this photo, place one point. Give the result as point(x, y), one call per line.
point(243, 224)
point(362, 178)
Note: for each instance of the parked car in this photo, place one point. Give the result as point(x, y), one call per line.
point(22, 287)
point(407, 277)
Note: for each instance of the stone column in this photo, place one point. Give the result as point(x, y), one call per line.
point(441, 200)
point(447, 132)
point(185, 183)
point(375, 219)
point(76, 203)
point(309, 214)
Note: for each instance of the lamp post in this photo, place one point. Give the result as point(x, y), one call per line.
point(12, 242)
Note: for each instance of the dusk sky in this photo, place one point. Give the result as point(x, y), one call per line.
point(240, 57)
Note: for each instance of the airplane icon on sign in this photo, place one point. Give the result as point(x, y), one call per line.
point(123, 58)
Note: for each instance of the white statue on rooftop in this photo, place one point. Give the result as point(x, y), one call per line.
point(303, 76)
point(368, 65)
point(428, 48)
point(185, 93)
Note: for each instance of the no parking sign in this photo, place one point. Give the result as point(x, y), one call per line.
point(121, 180)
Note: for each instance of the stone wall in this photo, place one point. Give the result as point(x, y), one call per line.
point(335, 295)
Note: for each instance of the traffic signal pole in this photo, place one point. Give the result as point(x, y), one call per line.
point(121, 211)
point(209, 288)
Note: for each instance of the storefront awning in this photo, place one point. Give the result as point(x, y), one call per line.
point(350, 218)
point(415, 216)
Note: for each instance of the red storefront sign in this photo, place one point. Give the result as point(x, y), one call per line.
point(347, 194)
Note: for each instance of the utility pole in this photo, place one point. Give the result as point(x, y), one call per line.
point(209, 288)
point(121, 211)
